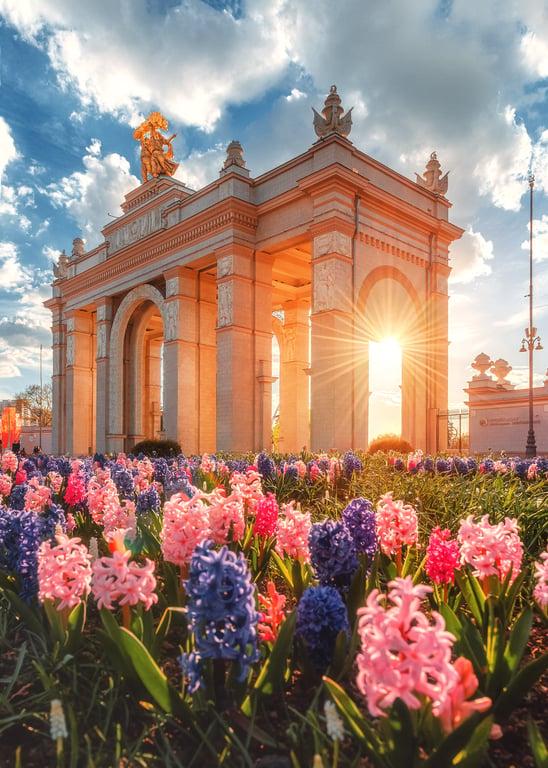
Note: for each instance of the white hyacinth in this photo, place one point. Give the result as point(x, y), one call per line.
point(333, 722)
point(57, 723)
point(93, 549)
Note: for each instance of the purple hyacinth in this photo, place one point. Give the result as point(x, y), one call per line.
point(359, 518)
point(265, 465)
point(321, 615)
point(123, 480)
point(221, 611)
point(332, 553)
point(21, 533)
point(351, 463)
point(148, 501)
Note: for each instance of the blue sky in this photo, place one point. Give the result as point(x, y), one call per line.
point(467, 79)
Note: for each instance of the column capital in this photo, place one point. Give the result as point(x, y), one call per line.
point(180, 281)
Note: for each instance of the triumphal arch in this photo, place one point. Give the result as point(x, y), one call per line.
point(166, 328)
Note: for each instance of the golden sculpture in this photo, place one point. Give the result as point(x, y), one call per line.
point(155, 160)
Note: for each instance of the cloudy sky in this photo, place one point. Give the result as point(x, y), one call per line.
point(466, 78)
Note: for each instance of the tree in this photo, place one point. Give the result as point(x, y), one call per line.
point(39, 403)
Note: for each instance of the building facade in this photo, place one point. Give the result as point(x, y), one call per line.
point(166, 327)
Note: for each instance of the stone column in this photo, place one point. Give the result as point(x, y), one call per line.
point(262, 333)
point(332, 342)
point(181, 359)
point(207, 318)
point(438, 345)
point(152, 388)
point(58, 379)
point(79, 382)
point(104, 322)
point(294, 379)
point(235, 349)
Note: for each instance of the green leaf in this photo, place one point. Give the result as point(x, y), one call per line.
point(538, 747)
point(472, 592)
point(75, 626)
point(518, 639)
point(29, 615)
point(404, 740)
point(271, 676)
point(149, 672)
point(520, 685)
point(455, 743)
point(356, 593)
point(56, 626)
point(283, 569)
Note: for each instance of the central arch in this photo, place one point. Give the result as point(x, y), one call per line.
point(130, 354)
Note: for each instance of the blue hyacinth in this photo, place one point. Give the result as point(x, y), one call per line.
point(148, 501)
point(123, 480)
point(428, 464)
point(351, 463)
point(265, 465)
point(359, 518)
point(321, 615)
point(332, 553)
point(221, 611)
point(443, 466)
point(399, 464)
point(17, 496)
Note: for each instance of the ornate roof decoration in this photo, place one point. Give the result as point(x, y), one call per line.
point(60, 270)
point(155, 161)
point(333, 120)
point(234, 155)
point(432, 178)
point(78, 247)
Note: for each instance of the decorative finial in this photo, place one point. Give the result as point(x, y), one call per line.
point(60, 270)
point(501, 369)
point(234, 155)
point(333, 120)
point(482, 363)
point(432, 178)
point(77, 247)
point(155, 161)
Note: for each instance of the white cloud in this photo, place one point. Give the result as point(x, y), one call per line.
point(540, 239)
point(51, 254)
point(91, 194)
point(201, 168)
point(13, 275)
point(208, 58)
point(470, 257)
point(8, 150)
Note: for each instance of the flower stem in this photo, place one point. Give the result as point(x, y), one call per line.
point(126, 616)
point(399, 564)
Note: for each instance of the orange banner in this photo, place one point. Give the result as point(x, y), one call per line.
point(11, 427)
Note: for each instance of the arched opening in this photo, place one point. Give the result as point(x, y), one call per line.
point(385, 388)
point(143, 379)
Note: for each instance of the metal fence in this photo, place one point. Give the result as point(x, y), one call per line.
point(452, 431)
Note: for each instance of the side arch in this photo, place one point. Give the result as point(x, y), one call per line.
point(127, 307)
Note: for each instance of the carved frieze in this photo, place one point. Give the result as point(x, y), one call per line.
point(70, 349)
point(137, 229)
point(332, 242)
point(101, 341)
point(225, 266)
point(172, 320)
point(332, 286)
point(225, 313)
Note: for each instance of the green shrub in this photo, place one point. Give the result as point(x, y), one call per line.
point(387, 443)
point(159, 448)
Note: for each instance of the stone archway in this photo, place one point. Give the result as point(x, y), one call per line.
point(129, 304)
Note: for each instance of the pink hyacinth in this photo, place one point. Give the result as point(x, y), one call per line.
point(397, 524)
point(116, 579)
point(248, 486)
point(292, 532)
point(102, 494)
point(20, 476)
point(491, 550)
point(456, 707)
point(37, 497)
point(266, 516)
point(55, 481)
point(403, 654)
point(64, 571)
point(442, 557)
point(207, 464)
point(5, 485)
point(272, 614)
point(75, 491)
point(120, 516)
point(9, 462)
point(186, 524)
point(226, 514)
point(541, 577)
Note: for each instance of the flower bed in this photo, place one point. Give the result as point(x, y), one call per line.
point(291, 611)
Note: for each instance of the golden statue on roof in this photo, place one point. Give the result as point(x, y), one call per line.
point(155, 160)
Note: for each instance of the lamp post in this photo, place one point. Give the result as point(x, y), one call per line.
point(531, 342)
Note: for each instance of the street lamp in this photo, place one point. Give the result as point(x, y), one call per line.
point(531, 342)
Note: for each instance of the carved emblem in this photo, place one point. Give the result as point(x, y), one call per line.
point(332, 242)
point(333, 120)
point(224, 266)
point(432, 178)
point(332, 289)
point(224, 303)
point(155, 161)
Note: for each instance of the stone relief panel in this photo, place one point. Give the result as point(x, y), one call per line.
point(332, 286)
point(332, 242)
point(102, 341)
point(103, 312)
point(70, 324)
point(290, 343)
point(171, 330)
point(441, 284)
point(135, 230)
point(225, 266)
point(225, 314)
point(70, 349)
point(172, 285)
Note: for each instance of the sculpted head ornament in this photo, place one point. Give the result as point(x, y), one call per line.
point(432, 178)
point(332, 119)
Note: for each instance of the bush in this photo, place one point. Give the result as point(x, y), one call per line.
point(387, 443)
point(159, 448)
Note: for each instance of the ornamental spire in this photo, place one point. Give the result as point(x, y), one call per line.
point(333, 120)
point(432, 178)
